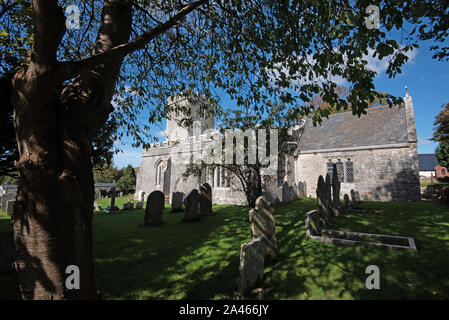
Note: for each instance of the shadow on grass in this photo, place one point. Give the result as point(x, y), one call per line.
point(199, 260)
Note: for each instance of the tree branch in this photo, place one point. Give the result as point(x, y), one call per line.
point(72, 69)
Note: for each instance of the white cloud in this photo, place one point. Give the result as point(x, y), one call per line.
point(380, 66)
point(131, 156)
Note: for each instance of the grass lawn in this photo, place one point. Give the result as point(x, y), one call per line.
point(199, 260)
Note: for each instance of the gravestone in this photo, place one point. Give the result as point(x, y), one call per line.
point(262, 223)
point(252, 259)
point(139, 205)
point(347, 201)
point(353, 195)
point(97, 195)
point(205, 200)
point(128, 206)
point(176, 201)
point(336, 204)
point(357, 196)
point(5, 198)
point(6, 252)
point(313, 223)
point(302, 192)
point(328, 184)
point(10, 207)
point(154, 209)
point(192, 206)
point(321, 197)
point(112, 208)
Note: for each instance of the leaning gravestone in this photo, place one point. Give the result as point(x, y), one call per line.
point(313, 223)
point(139, 205)
point(6, 252)
point(112, 208)
point(176, 201)
point(191, 206)
point(262, 223)
point(252, 258)
point(154, 209)
point(336, 204)
point(321, 197)
point(205, 200)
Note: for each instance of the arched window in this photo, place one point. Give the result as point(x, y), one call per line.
point(159, 169)
point(349, 171)
point(221, 178)
point(340, 171)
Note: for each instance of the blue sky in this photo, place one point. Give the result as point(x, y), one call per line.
point(427, 80)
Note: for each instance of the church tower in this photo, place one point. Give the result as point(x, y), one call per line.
point(187, 108)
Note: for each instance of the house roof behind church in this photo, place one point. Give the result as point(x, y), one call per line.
point(427, 161)
point(380, 126)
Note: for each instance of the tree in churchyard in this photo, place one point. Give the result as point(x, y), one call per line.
point(139, 53)
point(106, 173)
point(441, 135)
point(247, 176)
point(127, 182)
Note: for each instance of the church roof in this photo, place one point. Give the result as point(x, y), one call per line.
point(380, 126)
point(427, 161)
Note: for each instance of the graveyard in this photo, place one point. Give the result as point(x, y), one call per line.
point(200, 260)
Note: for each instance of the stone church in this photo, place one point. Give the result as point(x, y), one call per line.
point(375, 155)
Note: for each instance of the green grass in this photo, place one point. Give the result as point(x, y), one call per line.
point(200, 260)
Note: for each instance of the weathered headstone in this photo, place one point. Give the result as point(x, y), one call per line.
point(252, 259)
point(262, 223)
point(357, 196)
point(6, 252)
point(192, 206)
point(139, 205)
point(176, 201)
point(353, 195)
point(205, 200)
point(112, 208)
point(154, 209)
point(321, 197)
point(128, 206)
point(328, 184)
point(336, 204)
point(10, 207)
point(97, 195)
point(313, 223)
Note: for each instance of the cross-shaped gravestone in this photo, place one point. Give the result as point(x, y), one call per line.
point(112, 208)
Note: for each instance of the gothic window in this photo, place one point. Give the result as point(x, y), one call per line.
point(221, 178)
point(349, 171)
point(340, 171)
point(159, 169)
point(330, 168)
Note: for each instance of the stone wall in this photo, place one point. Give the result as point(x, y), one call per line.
point(380, 174)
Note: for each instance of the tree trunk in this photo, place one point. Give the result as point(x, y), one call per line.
point(53, 212)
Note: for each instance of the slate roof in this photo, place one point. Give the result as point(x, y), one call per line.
point(427, 161)
point(380, 126)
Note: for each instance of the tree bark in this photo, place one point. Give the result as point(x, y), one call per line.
point(55, 127)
